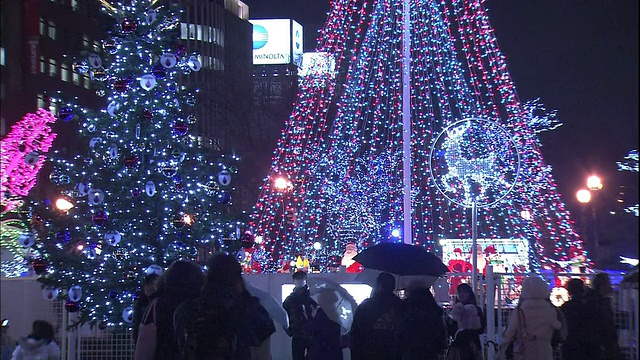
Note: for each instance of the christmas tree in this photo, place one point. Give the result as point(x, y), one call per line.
point(141, 193)
point(342, 149)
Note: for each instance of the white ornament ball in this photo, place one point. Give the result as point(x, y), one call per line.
point(50, 293)
point(112, 108)
point(27, 239)
point(31, 158)
point(112, 237)
point(148, 82)
point(82, 188)
point(150, 16)
point(94, 141)
point(113, 151)
point(154, 269)
point(168, 60)
point(75, 293)
point(96, 196)
point(127, 314)
point(194, 64)
point(150, 188)
point(224, 178)
point(95, 61)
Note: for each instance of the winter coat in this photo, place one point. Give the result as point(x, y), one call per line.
point(372, 333)
point(299, 306)
point(469, 325)
point(32, 349)
point(540, 316)
point(582, 341)
point(325, 338)
point(219, 322)
point(607, 334)
point(420, 330)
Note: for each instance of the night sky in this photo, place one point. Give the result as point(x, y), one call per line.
point(580, 57)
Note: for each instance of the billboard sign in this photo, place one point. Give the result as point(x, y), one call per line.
point(277, 41)
point(506, 255)
point(297, 48)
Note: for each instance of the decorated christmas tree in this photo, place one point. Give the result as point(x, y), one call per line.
point(141, 193)
point(341, 154)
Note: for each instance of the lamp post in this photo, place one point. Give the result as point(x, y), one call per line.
point(584, 196)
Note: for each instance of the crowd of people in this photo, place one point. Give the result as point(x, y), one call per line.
point(187, 314)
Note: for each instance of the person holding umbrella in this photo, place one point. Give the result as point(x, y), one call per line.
point(372, 334)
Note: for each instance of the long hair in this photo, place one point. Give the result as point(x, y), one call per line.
point(471, 299)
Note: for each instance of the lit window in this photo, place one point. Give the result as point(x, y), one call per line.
point(199, 36)
point(53, 68)
point(64, 72)
point(53, 107)
point(87, 82)
point(74, 5)
point(75, 78)
point(183, 31)
point(96, 46)
point(43, 26)
point(2, 56)
point(85, 41)
point(43, 64)
point(192, 31)
point(52, 30)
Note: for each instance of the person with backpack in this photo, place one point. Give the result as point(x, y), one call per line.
point(372, 334)
point(224, 321)
point(469, 324)
point(420, 331)
point(39, 345)
point(299, 306)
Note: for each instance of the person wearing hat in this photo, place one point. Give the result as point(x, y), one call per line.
point(299, 306)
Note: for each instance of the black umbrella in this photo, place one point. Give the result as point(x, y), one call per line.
point(401, 259)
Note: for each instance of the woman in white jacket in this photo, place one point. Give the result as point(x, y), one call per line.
point(39, 345)
point(533, 322)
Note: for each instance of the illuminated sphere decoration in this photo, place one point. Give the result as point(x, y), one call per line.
point(474, 161)
point(583, 196)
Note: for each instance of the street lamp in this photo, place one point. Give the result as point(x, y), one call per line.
point(584, 196)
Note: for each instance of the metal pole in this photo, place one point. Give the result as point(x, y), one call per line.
point(474, 245)
point(489, 312)
point(406, 121)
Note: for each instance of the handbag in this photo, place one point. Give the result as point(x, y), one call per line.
point(147, 340)
point(518, 344)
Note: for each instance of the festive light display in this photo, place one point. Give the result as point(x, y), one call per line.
point(141, 193)
point(342, 145)
point(630, 163)
point(22, 154)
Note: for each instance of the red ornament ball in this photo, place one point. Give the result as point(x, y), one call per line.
point(121, 85)
point(180, 128)
point(131, 161)
point(147, 114)
point(71, 306)
point(129, 25)
point(100, 218)
point(40, 266)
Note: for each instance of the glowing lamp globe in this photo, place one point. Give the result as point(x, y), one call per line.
point(584, 196)
point(594, 183)
point(63, 204)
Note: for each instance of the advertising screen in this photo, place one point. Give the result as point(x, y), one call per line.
point(272, 41)
point(297, 45)
point(506, 255)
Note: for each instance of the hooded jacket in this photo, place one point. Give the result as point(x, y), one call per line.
point(540, 317)
point(33, 349)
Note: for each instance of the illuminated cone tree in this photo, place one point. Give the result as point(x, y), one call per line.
point(342, 148)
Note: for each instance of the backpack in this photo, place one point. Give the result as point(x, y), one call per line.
point(206, 330)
